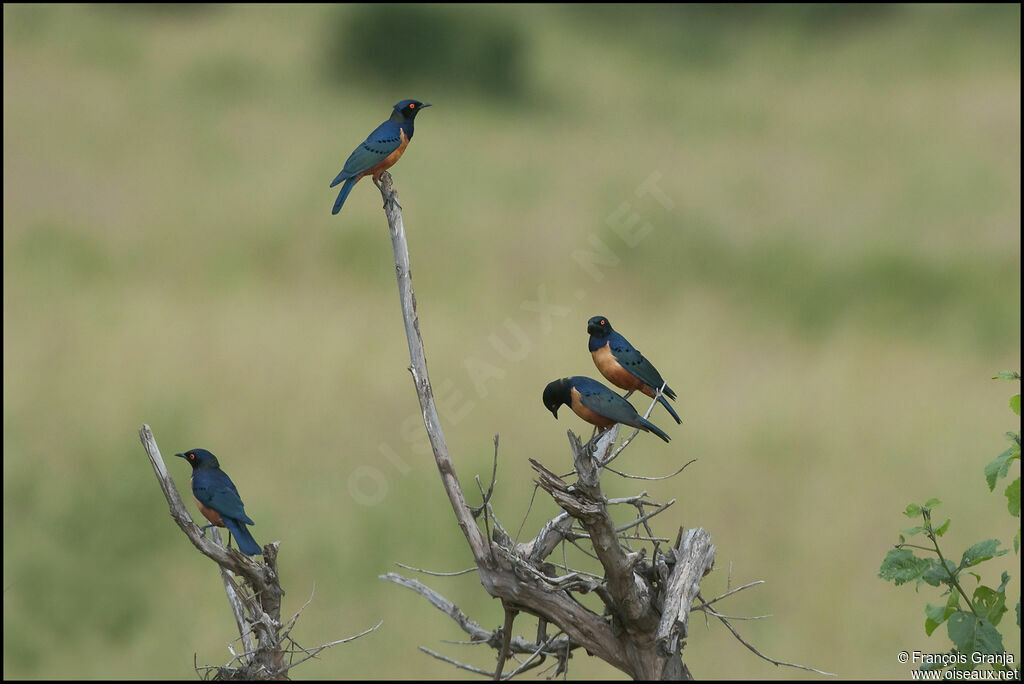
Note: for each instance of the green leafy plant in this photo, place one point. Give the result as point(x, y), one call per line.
point(972, 620)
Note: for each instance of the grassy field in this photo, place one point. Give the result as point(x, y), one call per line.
point(829, 276)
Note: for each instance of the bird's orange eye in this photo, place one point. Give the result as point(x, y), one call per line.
point(603, 322)
point(191, 457)
point(412, 106)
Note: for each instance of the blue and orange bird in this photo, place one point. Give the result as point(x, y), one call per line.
point(380, 150)
point(595, 403)
point(218, 500)
point(623, 365)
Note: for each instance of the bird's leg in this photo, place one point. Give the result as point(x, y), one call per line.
point(628, 393)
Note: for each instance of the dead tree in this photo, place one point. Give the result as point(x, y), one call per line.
point(647, 598)
point(268, 650)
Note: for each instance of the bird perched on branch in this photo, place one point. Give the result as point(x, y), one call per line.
point(380, 150)
point(595, 403)
point(218, 500)
point(623, 365)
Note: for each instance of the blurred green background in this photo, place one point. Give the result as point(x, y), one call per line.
point(829, 280)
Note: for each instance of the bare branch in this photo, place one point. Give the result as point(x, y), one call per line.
point(506, 638)
point(237, 608)
point(498, 578)
point(474, 630)
point(694, 556)
point(644, 518)
point(312, 653)
point(437, 574)
point(255, 603)
point(550, 535)
point(733, 591)
point(585, 502)
point(264, 600)
point(641, 477)
point(490, 489)
point(477, 543)
point(260, 574)
point(543, 645)
point(755, 651)
point(456, 663)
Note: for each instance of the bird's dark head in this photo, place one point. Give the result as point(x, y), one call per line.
point(408, 109)
point(598, 326)
point(199, 458)
point(555, 394)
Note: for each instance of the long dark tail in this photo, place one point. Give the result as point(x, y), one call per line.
point(246, 544)
point(651, 427)
point(343, 195)
point(669, 408)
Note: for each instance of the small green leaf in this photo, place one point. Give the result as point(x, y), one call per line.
point(1007, 375)
point(941, 530)
point(1013, 498)
point(973, 634)
point(936, 575)
point(998, 468)
point(931, 503)
point(1015, 404)
point(911, 531)
point(980, 552)
point(901, 566)
point(990, 604)
point(936, 615)
point(912, 511)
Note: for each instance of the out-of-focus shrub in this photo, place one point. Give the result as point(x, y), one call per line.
point(466, 47)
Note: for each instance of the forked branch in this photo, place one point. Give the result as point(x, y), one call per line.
point(647, 600)
point(255, 603)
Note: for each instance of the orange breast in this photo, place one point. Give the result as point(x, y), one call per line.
point(586, 414)
point(614, 372)
point(380, 167)
point(208, 513)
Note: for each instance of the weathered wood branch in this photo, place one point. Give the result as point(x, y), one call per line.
point(694, 558)
point(473, 629)
point(263, 601)
point(496, 571)
point(255, 604)
point(418, 368)
point(647, 601)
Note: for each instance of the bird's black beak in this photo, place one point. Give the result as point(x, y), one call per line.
point(554, 412)
point(593, 329)
point(425, 104)
point(180, 455)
